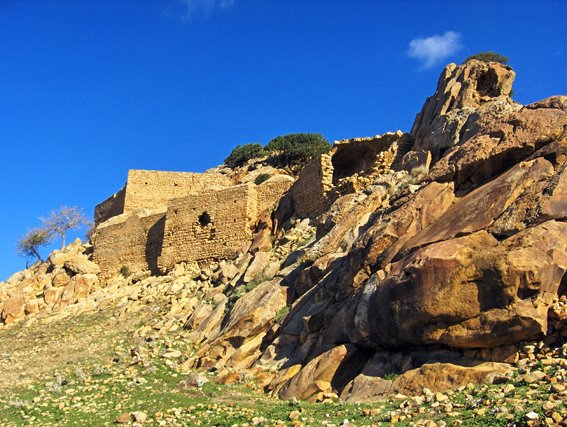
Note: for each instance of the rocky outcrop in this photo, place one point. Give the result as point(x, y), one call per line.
point(65, 278)
point(463, 94)
point(402, 263)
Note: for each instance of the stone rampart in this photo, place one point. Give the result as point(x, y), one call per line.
point(309, 193)
point(210, 225)
point(153, 189)
point(112, 206)
point(349, 167)
point(270, 191)
point(132, 241)
point(162, 218)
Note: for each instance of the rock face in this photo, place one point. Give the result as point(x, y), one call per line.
point(393, 264)
point(463, 94)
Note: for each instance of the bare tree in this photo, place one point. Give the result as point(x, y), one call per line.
point(64, 219)
point(29, 243)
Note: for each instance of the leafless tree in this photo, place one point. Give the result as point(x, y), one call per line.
point(64, 219)
point(29, 243)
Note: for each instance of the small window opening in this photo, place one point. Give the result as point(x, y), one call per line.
point(204, 219)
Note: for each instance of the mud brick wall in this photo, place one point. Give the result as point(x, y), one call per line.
point(214, 224)
point(153, 189)
point(112, 206)
point(133, 241)
point(271, 191)
point(309, 192)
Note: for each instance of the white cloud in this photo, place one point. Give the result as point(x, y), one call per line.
point(431, 50)
point(204, 7)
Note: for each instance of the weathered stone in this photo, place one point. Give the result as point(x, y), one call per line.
point(82, 266)
point(60, 279)
point(440, 377)
point(417, 159)
point(200, 313)
point(124, 418)
point(256, 268)
point(33, 306)
point(423, 209)
point(467, 292)
point(554, 204)
point(498, 141)
point(461, 91)
point(478, 209)
point(52, 295)
point(13, 308)
point(322, 368)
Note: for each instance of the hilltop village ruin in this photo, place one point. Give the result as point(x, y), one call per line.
point(159, 219)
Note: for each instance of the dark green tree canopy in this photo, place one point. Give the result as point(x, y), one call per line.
point(489, 57)
point(242, 153)
point(297, 148)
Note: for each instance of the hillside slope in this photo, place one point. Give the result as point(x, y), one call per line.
point(401, 264)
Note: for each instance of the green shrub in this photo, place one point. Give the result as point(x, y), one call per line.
point(242, 153)
point(262, 178)
point(125, 271)
point(391, 376)
point(297, 148)
point(489, 57)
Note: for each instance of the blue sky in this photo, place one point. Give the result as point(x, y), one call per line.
point(90, 89)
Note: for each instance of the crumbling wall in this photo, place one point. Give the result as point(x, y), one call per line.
point(308, 195)
point(112, 206)
point(133, 241)
point(271, 191)
point(213, 224)
point(153, 189)
point(364, 155)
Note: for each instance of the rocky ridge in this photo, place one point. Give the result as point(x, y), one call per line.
point(447, 267)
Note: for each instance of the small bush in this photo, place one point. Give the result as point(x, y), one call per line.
point(263, 177)
point(489, 57)
point(419, 171)
point(242, 153)
point(297, 148)
point(125, 271)
point(281, 314)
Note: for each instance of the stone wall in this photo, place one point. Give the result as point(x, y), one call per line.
point(309, 193)
point(112, 206)
point(351, 166)
point(153, 189)
point(364, 155)
point(210, 225)
point(162, 218)
point(132, 241)
point(271, 191)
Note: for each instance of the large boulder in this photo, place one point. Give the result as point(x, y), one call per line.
point(470, 291)
point(13, 308)
point(317, 376)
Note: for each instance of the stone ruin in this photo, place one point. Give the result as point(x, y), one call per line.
point(159, 219)
point(350, 166)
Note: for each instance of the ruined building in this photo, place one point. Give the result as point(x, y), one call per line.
point(159, 219)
